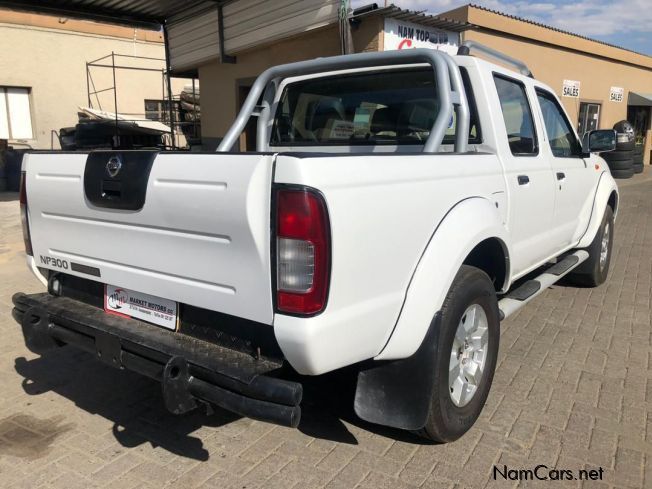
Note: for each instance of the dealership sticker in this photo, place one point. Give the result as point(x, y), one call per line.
point(125, 302)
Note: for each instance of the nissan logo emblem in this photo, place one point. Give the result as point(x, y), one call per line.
point(114, 166)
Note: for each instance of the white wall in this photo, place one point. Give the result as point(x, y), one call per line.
point(52, 63)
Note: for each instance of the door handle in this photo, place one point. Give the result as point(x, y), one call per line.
point(523, 179)
point(561, 175)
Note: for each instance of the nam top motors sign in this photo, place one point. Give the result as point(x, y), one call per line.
point(407, 35)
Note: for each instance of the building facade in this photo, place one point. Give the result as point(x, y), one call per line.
point(227, 43)
point(43, 76)
point(599, 84)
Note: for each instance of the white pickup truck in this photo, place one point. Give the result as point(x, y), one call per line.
point(398, 207)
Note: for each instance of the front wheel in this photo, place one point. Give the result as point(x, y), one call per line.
point(594, 270)
point(466, 356)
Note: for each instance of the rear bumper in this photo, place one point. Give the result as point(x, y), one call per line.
point(189, 369)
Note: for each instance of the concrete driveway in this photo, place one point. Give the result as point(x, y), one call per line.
point(573, 390)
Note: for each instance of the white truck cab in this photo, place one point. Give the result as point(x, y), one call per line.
point(398, 207)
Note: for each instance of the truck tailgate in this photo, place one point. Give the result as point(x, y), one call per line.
point(201, 236)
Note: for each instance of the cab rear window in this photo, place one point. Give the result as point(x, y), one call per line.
point(396, 107)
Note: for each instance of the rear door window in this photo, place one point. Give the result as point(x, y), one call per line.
point(517, 114)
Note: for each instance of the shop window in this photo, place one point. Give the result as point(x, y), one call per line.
point(15, 113)
point(589, 119)
point(639, 117)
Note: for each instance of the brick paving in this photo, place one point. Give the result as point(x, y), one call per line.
point(573, 389)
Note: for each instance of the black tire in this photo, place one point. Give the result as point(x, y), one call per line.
point(624, 135)
point(623, 174)
point(446, 420)
point(625, 146)
point(617, 155)
point(638, 167)
point(638, 150)
point(591, 273)
point(621, 165)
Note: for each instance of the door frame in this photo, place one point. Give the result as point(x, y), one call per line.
point(579, 111)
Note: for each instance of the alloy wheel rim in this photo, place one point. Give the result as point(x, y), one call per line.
point(604, 247)
point(468, 355)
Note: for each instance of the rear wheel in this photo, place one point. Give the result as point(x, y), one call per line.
point(595, 269)
point(466, 356)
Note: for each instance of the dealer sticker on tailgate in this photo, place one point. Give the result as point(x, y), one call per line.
point(125, 302)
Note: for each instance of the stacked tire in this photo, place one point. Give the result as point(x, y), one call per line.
point(13, 163)
point(621, 161)
point(3, 173)
point(637, 158)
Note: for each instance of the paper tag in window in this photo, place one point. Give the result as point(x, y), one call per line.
point(341, 130)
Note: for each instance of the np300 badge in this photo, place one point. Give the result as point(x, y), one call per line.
point(54, 262)
point(114, 166)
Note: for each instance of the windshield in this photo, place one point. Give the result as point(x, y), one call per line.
point(379, 107)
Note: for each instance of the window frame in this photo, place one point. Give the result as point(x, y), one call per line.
point(5, 95)
point(535, 134)
point(550, 96)
point(474, 115)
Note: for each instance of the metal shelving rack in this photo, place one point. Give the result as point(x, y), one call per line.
point(112, 62)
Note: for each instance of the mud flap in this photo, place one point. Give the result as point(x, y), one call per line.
point(397, 393)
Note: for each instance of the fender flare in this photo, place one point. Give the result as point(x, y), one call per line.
point(605, 188)
point(474, 218)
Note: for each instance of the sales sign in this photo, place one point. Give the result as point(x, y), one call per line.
point(616, 94)
point(408, 35)
point(571, 88)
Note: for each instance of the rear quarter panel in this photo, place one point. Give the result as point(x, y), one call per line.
point(383, 211)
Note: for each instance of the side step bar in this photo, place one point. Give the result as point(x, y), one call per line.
point(517, 298)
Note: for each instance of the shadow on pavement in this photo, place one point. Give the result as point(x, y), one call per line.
point(131, 402)
point(134, 404)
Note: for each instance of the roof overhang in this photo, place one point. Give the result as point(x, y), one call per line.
point(138, 13)
point(644, 99)
point(414, 16)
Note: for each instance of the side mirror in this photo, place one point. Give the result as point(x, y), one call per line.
point(599, 141)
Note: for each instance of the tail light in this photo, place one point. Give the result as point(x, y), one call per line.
point(24, 220)
point(302, 251)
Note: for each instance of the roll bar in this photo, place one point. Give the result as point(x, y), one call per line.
point(467, 46)
point(449, 85)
